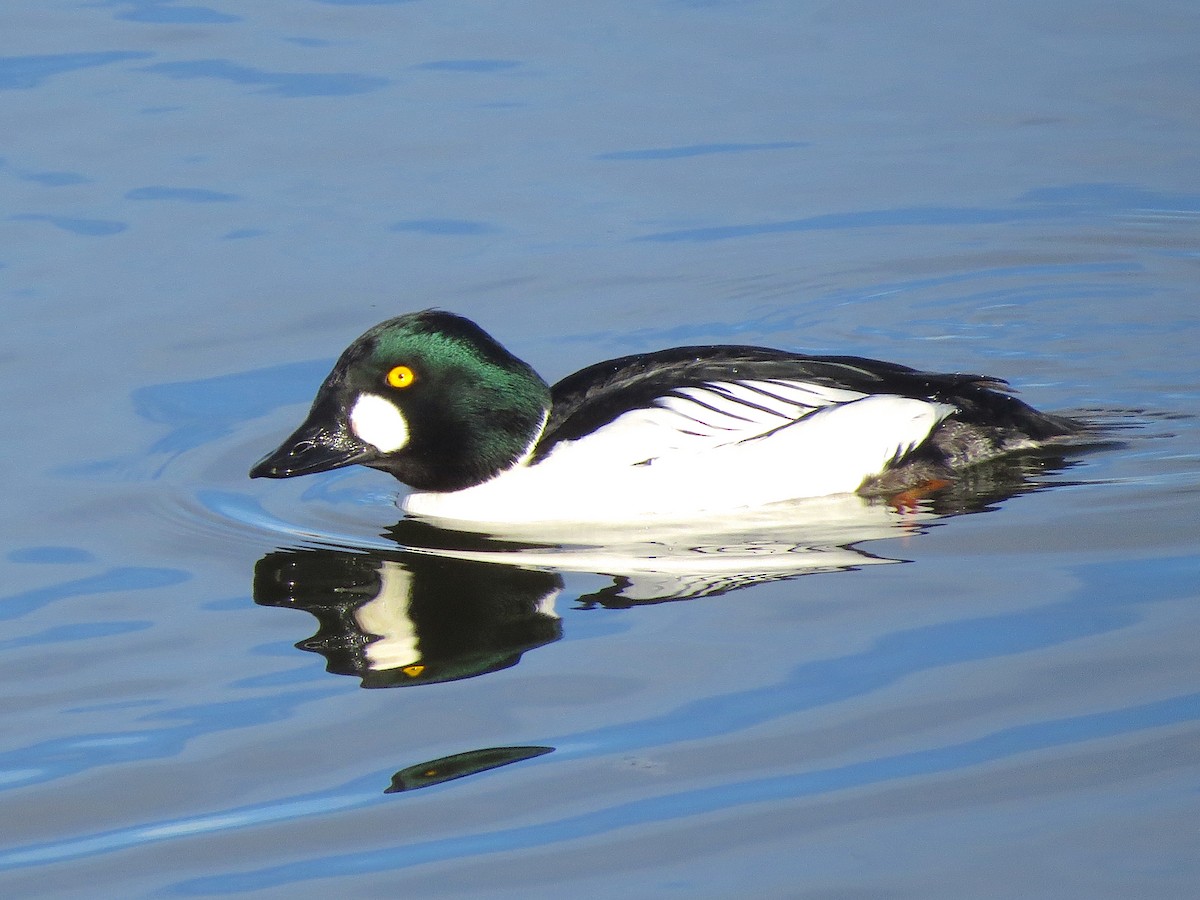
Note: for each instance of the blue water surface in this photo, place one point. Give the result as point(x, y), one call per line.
point(214, 686)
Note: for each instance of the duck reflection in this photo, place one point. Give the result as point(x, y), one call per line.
point(396, 619)
point(448, 604)
point(442, 604)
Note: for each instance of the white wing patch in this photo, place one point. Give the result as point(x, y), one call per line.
point(724, 412)
point(719, 446)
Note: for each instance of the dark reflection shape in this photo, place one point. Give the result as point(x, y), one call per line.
point(397, 619)
point(460, 765)
point(980, 488)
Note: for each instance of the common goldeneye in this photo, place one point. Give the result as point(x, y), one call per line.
point(437, 402)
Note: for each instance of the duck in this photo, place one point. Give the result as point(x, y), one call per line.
point(434, 400)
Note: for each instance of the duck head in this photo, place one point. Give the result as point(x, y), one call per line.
point(429, 397)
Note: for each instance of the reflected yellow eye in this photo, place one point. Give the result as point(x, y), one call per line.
point(413, 671)
point(401, 377)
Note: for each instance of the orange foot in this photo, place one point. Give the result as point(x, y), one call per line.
point(910, 500)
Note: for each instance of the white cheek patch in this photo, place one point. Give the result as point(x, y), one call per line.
point(379, 423)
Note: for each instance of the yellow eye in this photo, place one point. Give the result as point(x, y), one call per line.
point(401, 377)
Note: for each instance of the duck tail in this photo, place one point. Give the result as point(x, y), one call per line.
point(990, 421)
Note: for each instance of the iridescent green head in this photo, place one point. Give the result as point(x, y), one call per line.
point(429, 397)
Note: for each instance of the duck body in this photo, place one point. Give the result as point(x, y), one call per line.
point(434, 400)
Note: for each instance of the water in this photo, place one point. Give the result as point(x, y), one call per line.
point(992, 695)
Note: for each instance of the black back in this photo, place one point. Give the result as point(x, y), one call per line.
point(594, 396)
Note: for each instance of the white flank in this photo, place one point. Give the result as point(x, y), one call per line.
point(379, 423)
point(724, 446)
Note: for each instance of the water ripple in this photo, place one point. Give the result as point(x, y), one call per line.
point(83, 227)
point(157, 12)
point(285, 84)
point(25, 72)
point(698, 150)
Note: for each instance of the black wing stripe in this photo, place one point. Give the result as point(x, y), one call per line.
point(726, 392)
point(826, 395)
point(796, 396)
point(692, 398)
point(728, 406)
point(681, 409)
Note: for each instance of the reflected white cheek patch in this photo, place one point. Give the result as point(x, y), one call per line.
point(379, 423)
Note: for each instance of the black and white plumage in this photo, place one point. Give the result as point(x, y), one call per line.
point(679, 432)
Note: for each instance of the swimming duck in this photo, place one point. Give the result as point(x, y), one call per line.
point(433, 399)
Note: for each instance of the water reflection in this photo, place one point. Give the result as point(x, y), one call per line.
point(397, 619)
point(460, 765)
point(448, 604)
